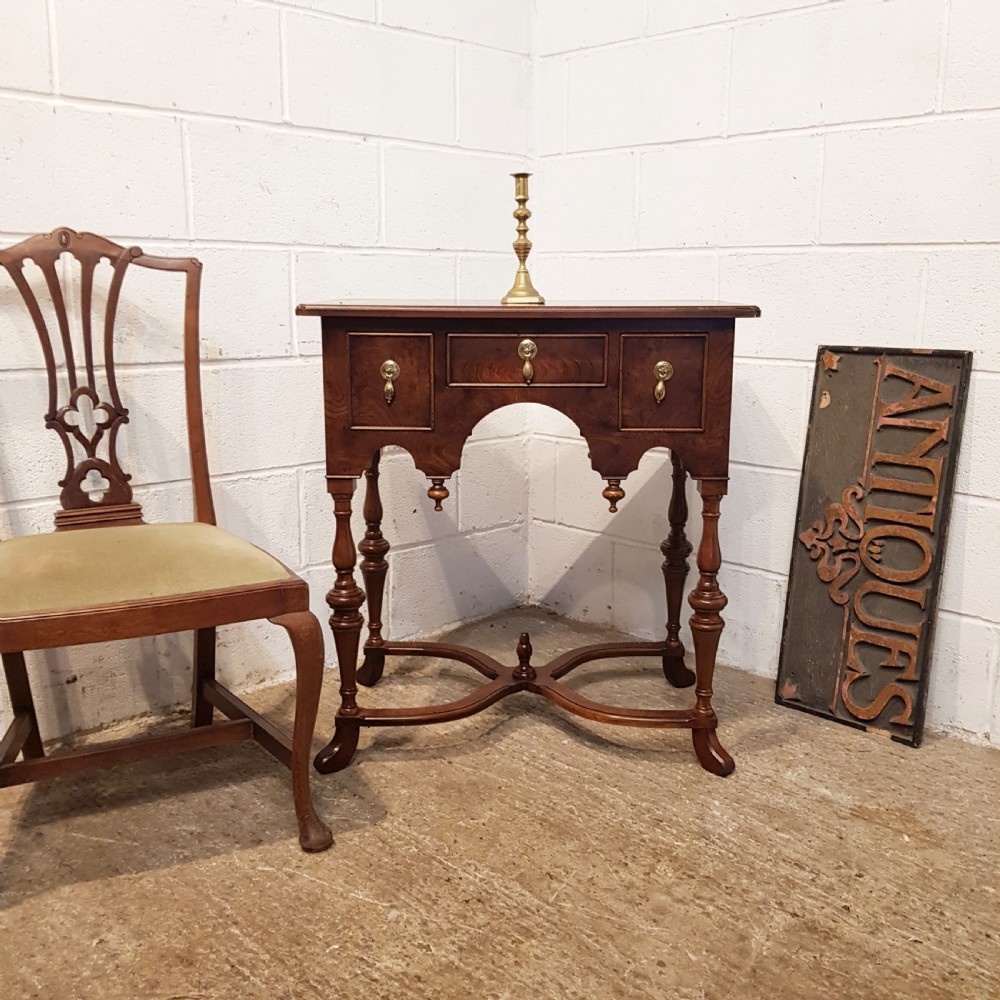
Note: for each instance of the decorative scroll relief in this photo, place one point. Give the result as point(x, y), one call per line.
point(834, 542)
point(878, 551)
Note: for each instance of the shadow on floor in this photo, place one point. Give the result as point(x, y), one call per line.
point(156, 814)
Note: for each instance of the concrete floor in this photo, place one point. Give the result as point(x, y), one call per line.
point(519, 854)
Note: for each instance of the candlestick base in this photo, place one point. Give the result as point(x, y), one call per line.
point(522, 292)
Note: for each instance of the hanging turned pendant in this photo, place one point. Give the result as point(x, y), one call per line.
point(613, 492)
point(438, 492)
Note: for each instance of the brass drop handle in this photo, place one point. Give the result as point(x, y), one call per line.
point(663, 370)
point(526, 350)
point(390, 372)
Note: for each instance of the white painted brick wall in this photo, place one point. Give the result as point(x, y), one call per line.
point(189, 56)
point(835, 63)
point(25, 36)
point(834, 162)
point(303, 150)
point(350, 78)
point(687, 101)
point(741, 192)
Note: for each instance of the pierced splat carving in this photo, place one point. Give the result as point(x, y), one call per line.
point(84, 406)
point(86, 421)
point(95, 486)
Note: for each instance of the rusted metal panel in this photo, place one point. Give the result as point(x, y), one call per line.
point(884, 433)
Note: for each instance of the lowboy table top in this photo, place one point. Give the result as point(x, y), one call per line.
point(555, 310)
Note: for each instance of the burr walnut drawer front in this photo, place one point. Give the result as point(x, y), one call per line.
point(662, 384)
point(554, 359)
point(391, 380)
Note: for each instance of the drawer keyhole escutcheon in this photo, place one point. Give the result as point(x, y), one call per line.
point(526, 350)
point(390, 372)
point(663, 370)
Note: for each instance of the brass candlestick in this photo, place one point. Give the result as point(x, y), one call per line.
point(522, 292)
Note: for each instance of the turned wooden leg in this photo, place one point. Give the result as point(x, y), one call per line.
point(21, 701)
point(345, 600)
point(373, 548)
point(708, 600)
point(204, 670)
point(307, 641)
point(676, 548)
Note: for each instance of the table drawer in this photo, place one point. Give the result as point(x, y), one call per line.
point(499, 360)
point(409, 360)
point(681, 405)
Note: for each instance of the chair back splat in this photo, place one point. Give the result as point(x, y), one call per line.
point(87, 416)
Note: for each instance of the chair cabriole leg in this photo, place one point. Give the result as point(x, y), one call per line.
point(307, 641)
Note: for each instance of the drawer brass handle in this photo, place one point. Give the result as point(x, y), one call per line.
point(663, 370)
point(390, 372)
point(526, 350)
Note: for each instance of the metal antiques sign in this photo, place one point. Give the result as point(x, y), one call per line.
point(884, 433)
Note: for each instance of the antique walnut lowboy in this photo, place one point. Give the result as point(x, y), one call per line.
point(632, 377)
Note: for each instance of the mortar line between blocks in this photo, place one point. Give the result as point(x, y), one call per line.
point(532, 119)
point(612, 611)
point(381, 25)
point(925, 278)
point(188, 177)
point(942, 67)
point(792, 131)
point(783, 470)
point(431, 543)
point(157, 112)
point(820, 181)
point(565, 118)
point(972, 618)
point(646, 35)
point(636, 199)
point(292, 296)
point(380, 235)
point(774, 362)
point(749, 249)
point(373, 250)
point(50, 11)
point(727, 93)
point(310, 360)
point(995, 693)
point(273, 471)
point(301, 495)
point(285, 98)
point(456, 105)
point(207, 364)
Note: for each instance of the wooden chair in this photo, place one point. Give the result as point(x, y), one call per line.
point(105, 574)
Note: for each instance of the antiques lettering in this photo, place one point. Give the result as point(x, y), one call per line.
point(891, 537)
